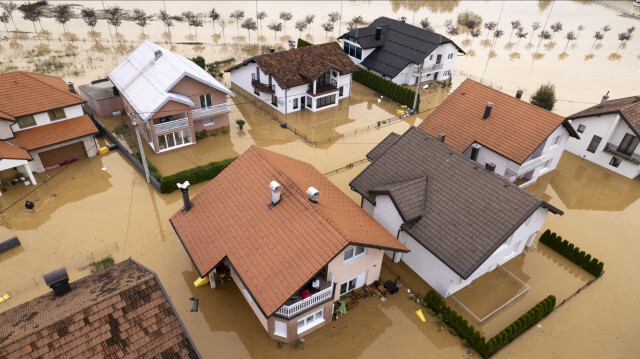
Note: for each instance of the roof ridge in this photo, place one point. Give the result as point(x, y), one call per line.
point(28, 74)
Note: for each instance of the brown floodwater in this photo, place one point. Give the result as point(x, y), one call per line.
point(102, 205)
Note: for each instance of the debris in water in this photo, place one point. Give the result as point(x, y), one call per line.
point(104, 168)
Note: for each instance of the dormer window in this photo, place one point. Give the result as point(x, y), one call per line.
point(26, 121)
point(57, 114)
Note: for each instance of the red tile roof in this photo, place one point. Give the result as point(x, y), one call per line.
point(55, 132)
point(628, 107)
point(275, 251)
point(121, 311)
point(514, 129)
point(26, 93)
point(11, 151)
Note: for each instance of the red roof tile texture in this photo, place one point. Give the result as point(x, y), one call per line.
point(275, 251)
point(118, 312)
point(26, 93)
point(55, 132)
point(514, 129)
point(9, 151)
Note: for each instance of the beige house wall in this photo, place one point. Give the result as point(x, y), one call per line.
point(370, 263)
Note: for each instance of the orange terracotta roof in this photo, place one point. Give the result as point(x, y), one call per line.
point(514, 129)
point(55, 132)
point(11, 151)
point(25, 93)
point(275, 251)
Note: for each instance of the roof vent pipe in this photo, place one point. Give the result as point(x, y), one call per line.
point(157, 54)
point(475, 149)
point(272, 50)
point(487, 110)
point(275, 193)
point(184, 188)
point(58, 281)
point(605, 98)
point(490, 166)
point(71, 87)
point(313, 194)
point(519, 94)
point(441, 137)
point(378, 32)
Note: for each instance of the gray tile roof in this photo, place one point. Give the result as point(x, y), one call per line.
point(469, 211)
point(400, 44)
point(384, 145)
point(409, 197)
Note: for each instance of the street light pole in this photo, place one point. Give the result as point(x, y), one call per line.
point(142, 156)
point(418, 78)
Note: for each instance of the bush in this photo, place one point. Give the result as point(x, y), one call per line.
point(572, 253)
point(106, 262)
point(453, 332)
point(302, 43)
point(397, 93)
point(201, 134)
point(545, 96)
point(240, 123)
point(153, 170)
point(199, 60)
point(193, 175)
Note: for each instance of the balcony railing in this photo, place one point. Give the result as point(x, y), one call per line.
point(262, 87)
point(171, 125)
point(517, 170)
point(429, 68)
point(613, 149)
point(289, 311)
point(210, 111)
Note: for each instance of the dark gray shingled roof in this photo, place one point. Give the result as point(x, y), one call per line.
point(400, 44)
point(409, 197)
point(383, 146)
point(469, 211)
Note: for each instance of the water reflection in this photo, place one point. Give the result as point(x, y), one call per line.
point(433, 6)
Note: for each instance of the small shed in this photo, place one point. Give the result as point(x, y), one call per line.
point(102, 97)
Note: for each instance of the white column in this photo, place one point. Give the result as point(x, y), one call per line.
point(30, 174)
point(314, 87)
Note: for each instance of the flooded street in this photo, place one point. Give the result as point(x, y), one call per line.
point(102, 206)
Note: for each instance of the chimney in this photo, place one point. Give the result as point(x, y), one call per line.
point(403, 19)
point(58, 281)
point(275, 193)
point(71, 87)
point(475, 149)
point(157, 54)
point(292, 45)
point(487, 110)
point(272, 50)
point(313, 194)
point(490, 166)
point(184, 188)
point(519, 94)
point(441, 137)
point(378, 32)
point(604, 99)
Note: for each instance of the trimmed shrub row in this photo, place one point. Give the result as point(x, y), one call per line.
point(473, 337)
point(572, 253)
point(193, 175)
point(397, 93)
point(302, 43)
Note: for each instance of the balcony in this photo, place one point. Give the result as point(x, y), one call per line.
point(324, 89)
point(171, 125)
point(427, 69)
point(210, 111)
point(259, 86)
point(294, 306)
point(518, 170)
point(613, 149)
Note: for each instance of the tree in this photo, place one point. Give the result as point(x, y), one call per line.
point(89, 16)
point(275, 27)
point(520, 34)
point(141, 18)
point(358, 20)
point(261, 16)
point(496, 35)
point(515, 24)
point(426, 24)
point(544, 35)
point(250, 25)
point(188, 15)
point(214, 15)
point(9, 7)
point(309, 20)
point(285, 16)
point(334, 17)
point(624, 36)
point(580, 28)
point(199, 60)
point(62, 13)
point(469, 19)
point(4, 18)
point(555, 28)
point(570, 36)
point(237, 15)
point(490, 26)
point(452, 30)
point(327, 27)
point(114, 16)
point(475, 33)
point(301, 25)
point(545, 96)
point(223, 24)
point(32, 12)
point(196, 22)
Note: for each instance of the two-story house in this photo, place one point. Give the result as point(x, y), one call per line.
point(401, 52)
point(169, 96)
point(280, 227)
point(458, 218)
point(314, 78)
point(42, 123)
point(523, 141)
point(610, 133)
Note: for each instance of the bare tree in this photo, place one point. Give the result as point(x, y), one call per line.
point(261, 16)
point(275, 27)
point(631, 30)
point(545, 35)
point(62, 13)
point(114, 16)
point(250, 25)
point(580, 28)
point(196, 22)
point(89, 16)
point(520, 34)
point(309, 20)
point(237, 15)
point(515, 24)
point(4, 18)
point(556, 28)
point(496, 35)
point(598, 36)
point(426, 24)
point(351, 25)
point(490, 26)
point(474, 33)
point(334, 17)
point(9, 7)
point(141, 18)
point(358, 20)
point(32, 12)
point(285, 16)
point(166, 19)
point(188, 15)
point(606, 28)
point(327, 27)
point(301, 25)
point(452, 30)
point(223, 24)
point(214, 15)
point(570, 36)
point(469, 19)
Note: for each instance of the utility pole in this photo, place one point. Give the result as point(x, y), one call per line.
point(418, 78)
point(142, 156)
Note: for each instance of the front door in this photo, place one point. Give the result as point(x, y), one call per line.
point(435, 76)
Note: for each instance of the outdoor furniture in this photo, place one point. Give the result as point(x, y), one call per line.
point(391, 286)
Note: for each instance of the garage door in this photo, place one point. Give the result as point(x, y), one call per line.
point(62, 154)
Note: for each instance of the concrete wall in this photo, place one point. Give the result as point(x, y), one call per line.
point(89, 145)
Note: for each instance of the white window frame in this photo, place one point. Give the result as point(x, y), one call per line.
point(351, 255)
point(204, 98)
point(310, 321)
point(278, 328)
point(555, 141)
point(206, 123)
point(173, 134)
point(296, 103)
point(450, 56)
point(546, 165)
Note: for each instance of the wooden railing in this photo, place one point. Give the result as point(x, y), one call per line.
point(289, 311)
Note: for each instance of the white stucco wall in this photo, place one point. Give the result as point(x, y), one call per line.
point(43, 118)
point(405, 77)
point(247, 296)
point(552, 152)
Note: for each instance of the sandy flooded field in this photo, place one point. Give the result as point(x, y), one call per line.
point(101, 205)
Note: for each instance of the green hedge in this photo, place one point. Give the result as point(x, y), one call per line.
point(397, 93)
point(572, 253)
point(473, 337)
point(302, 43)
point(193, 175)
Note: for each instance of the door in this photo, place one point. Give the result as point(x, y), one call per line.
point(62, 154)
point(435, 76)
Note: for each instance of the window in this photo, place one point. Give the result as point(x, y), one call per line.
point(438, 59)
point(450, 56)
point(174, 139)
point(295, 103)
point(57, 114)
point(430, 57)
point(309, 102)
point(26, 121)
point(593, 145)
point(353, 283)
point(628, 144)
point(280, 328)
point(341, 93)
point(323, 80)
point(353, 254)
point(555, 140)
point(310, 321)
point(581, 128)
point(205, 101)
point(615, 161)
point(546, 165)
point(353, 50)
point(274, 100)
point(325, 101)
point(208, 121)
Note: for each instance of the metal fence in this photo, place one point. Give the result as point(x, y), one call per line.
point(345, 168)
point(623, 11)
